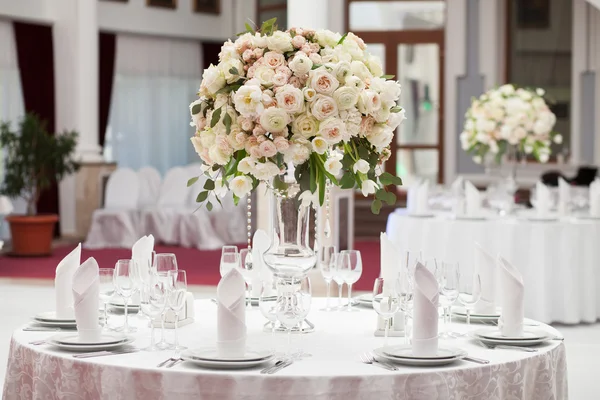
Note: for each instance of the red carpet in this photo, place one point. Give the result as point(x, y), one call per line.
point(202, 267)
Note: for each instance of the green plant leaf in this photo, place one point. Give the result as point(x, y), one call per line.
point(376, 206)
point(209, 184)
point(215, 117)
point(322, 183)
point(248, 28)
point(343, 38)
point(196, 109)
point(390, 199)
point(347, 181)
point(313, 177)
point(396, 109)
point(209, 206)
point(201, 197)
point(388, 179)
point(388, 76)
point(315, 66)
point(234, 71)
point(381, 194)
point(227, 122)
point(193, 180)
point(236, 200)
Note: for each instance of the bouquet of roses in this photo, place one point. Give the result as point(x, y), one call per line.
point(509, 116)
point(314, 102)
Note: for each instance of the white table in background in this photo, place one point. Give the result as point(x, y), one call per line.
point(559, 260)
point(333, 372)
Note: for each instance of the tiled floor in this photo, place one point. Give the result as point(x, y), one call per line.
point(19, 300)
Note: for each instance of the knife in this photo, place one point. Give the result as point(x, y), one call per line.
point(104, 353)
point(267, 369)
point(280, 367)
point(476, 360)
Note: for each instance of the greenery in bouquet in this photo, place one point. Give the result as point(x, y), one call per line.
point(509, 116)
point(314, 102)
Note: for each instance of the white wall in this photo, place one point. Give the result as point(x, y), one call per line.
point(33, 10)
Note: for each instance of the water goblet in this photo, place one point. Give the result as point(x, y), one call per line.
point(338, 275)
point(405, 291)
point(351, 269)
point(152, 304)
point(124, 281)
point(107, 290)
point(177, 292)
point(448, 279)
point(386, 301)
point(293, 305)
point(327, 265)
point(303, 303)
point(163, 263)
point(470, 296)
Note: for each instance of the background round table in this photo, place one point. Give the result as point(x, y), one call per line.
point(333, 372)
point(559, 260)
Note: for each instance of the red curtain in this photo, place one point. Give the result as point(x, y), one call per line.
point(106, 59)
point(35, 54)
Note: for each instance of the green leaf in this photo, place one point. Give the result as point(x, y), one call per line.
point(313, 177)
point(219, 201)
point(196, 109)
point(347, 181)
point(388, 76)
point(343, 38)
point(248, 28)
point(215, 117)
point(390, 198)
point(227, 122)
point(236, 200)
point(209, 206)
point(234, 71)
point(315, 66)
point(322, 183)
point(388, 179)
point(201, 197)
point(209, 184)
point(376, 206)
point(396, 109)
point(267, 26)
point(381, 194)
point(191, 181)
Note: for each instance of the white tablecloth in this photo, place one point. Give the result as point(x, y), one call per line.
point(333, 372)
point(560, 260)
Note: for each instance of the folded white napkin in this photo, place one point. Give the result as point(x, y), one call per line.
point(86, 294)
point(564, 197)
point(485, 267)
point(141, 253)
point(231, 315)
point(512, 299)
point(473, 199)
point(595, 198)
point(260, 244)
point(542, 199)
point(418, 197)
point(6, 206)
point(458, 193)
point(63, 282)
point(425, 313)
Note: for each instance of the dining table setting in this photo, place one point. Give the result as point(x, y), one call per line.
point(428, 330)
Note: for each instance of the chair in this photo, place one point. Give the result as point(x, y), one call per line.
point(585, 176)
point(115, 224)
point(149, 187)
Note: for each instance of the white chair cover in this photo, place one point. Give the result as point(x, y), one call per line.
point(149, 186)
point(116, 224)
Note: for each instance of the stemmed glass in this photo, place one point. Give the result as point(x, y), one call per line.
point(448, 279)
point(152, 303)
point(405, 291)
point(163, 263)
point(176, 299)
point(470, 296)
point(123, 278)
point(327, 260)
point(247, 271)
point(350, 266)
point(338, 277)
point(386, 301)
point(107, 290)
point(267, 303)
point(229, 260)
point(293, 306)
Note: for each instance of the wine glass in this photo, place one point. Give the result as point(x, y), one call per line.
point(163, 263)
point(338, 276)
point(351, 269)
point(176, 299)
point(470, 296)
point(327, 267)
point(247, 271)
point(124, 281)
point(152, 303)
point(267, 303)
point(386, 301)
point(294, 305)
point(229, 260)
point(107, 290)
point(448, 279)
point(405, 290)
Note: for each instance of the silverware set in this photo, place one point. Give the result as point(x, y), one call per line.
point(506, 347)
point(278, 366)
point(106, 353)
point(368, 358)
point(170, 362)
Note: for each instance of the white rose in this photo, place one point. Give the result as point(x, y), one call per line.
point(212, 80)
point(197, 143)
point(207, 138)
point(305, 125)
point(218, 155)
point(300, 64)
point(507, 89)
point(346, 97)
point(309, 94)
point(361, 166)
point(290, 99)
point(374, 65)
point(258, 40)
point(355, 82)
point(240, 186)
point(333, 166)
point(231, 75)
point(524, 94)
point(319, 145)
point(396, 119)
point(274, 119)
point(324, 107)
point(558, 139)
point(264, 75)
point(380, 136)
point(391, 92)
point(265, 171)
point(246, 165)
point(228, 52)
point(297, 154)
point(342, 71)
point(248, 100)
point(280, 41)
point(360, 70)
point(333, 130)
point(369, 101)
point(540, 127)
point(327, 38)
point(322, 81)
point(368, 187)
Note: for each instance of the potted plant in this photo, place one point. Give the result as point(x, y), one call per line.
point(34, 159)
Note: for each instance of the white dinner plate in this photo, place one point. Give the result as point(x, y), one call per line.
point(74, 339)
point(89, 347)
point(587, 217)
point(470, 217)
point(223, 364)
point(496, 334)
point(417, 362)
point(541, 219)
point(210, 354)
point(406, 351)
point(524, 342)
point(461, 311)
point(50, 316)
point(425, 215)
point(55, 324)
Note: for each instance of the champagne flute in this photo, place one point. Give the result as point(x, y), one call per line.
point(386, 301)
point(267, 303)
point(123, 278)
point(163, 263)
point(327, 260)
point(351, 268)
point(449, 276)
point(152, 304)
point(470, 296)
point(107, 290)
point(176, 299)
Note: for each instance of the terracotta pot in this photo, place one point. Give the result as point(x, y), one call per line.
point(31, 235)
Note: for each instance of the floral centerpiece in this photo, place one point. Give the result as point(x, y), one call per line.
point(509, 118)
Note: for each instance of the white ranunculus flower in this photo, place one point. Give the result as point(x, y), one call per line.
point(355, 82)
point(346, 97)
point(305, 125)
point(368, 187)
point(374, 65)
point(227, 70)
point(259, 40)
point(333, 166)
point(319, 145)
point(300, 64)
point(558, 139)
point(342, 71)
point(332, 129)
point(380, 136)
point(264, 75)
point(322, 81)
point(240, 186)
point(390, 92)
point(396, 119)
point(360, 70)
point(274, 119)
point(361, 166)
point(280, 41)
point(218, 155)
point(248, 100)
point(369, 101)
point(327, 38)
point(265, 171)
point(290, 99)
point(324, 107)
point(213, 80)
point(246, 165)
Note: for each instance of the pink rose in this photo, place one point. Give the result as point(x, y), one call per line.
point(273, 59)
point(247, 55)
point(306, 48)
point(241, 137)
point(258, 131)
point(283, 70)
point(223, 144)
point(315, 48)
point(251, 71)
point(261, 139)
point(366, 125)
point(268, 149)
point(299, 31)
point(255, 152)
point(258, 53)
point(315, 58)
point(298, 41)
point(246, 123)
point(204, 156)
point(281, 143)
point(295, 82)
point(280, 79)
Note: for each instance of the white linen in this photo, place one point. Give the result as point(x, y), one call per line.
point(332, 373)
point(63, 282)
point(390, 263)
point(473, 200)
point(595, 198)
point(425, 312)
point(458, 193)
point(418, 198)
point(556, 293)
point(564, 197)
point(485, 267)
point(231, 315)
point(512, 299)
point(141, 254)
point(86, 296)
point(260, 244)
point(543, 199)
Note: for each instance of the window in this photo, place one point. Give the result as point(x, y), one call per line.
point(267, 9)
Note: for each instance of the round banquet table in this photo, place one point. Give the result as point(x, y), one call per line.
point(333, 372)
point(558, 259)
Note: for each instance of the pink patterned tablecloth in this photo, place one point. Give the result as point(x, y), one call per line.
point(333, 372)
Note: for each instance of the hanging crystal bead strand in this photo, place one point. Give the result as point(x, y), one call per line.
point(248, 261)
point(327, 228)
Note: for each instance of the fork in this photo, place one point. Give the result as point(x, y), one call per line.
point(168, 360)
point(506, 347)
point(367, 358)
